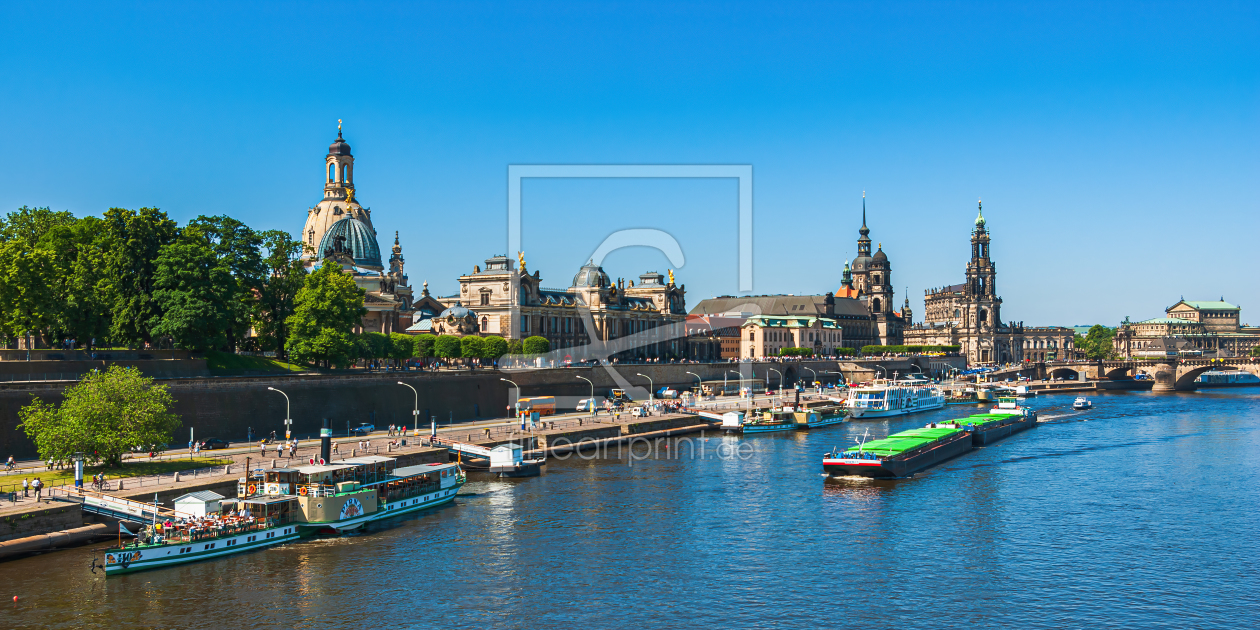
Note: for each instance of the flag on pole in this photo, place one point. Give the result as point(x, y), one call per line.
point(122, 529)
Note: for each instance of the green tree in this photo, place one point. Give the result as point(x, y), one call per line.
point(402, 346)
point(1255, 352)
point(195, 293)
point(536, 345)
point(135, 239)
point(27, 304)
point(283, 276)
point(1098, 343)
point(29, 277)
point(495, 347)
point(379, 346)
point(81, 284)
point(238, 249)
point(424, 348)
point(325, 312)
point(516, 346)
point(103, 416)
point(471, 347)
point(447, 347)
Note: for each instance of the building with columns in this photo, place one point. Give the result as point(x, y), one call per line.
point(339, 230)
point(505, 300)
point(969, 315)
point(1198, 328)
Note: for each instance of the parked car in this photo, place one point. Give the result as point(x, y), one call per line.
point(212, 444)
point(586, 404)
point(362, 429)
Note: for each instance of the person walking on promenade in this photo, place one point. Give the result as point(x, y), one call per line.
point(39, 488)
point(26, 487)
point(262, 446)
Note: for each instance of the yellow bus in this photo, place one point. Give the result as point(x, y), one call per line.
point(544, 405)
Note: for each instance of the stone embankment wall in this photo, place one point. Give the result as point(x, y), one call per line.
point(226, 407)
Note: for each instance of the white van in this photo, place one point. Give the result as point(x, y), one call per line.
point(586, 404)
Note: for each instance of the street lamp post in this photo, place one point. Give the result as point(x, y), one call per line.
point(812, 371)
point(518, 393)
point(288, 421)
point(699, 383)
point(591, 402)
point(780, 379)
point(741, 382)
point(651, 388)
point(415, 412)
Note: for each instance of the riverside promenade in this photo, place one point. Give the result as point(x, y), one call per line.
point(25, 516)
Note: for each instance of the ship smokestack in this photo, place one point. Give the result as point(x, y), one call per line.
point(325, 442)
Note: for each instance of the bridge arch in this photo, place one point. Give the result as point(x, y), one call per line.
point(1185, 380)
point(1065, 373)
point(1119, 372)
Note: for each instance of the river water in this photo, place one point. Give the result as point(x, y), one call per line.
point(1141, 513)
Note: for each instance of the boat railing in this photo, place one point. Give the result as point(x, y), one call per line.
point(209, 530)
point(317, 490)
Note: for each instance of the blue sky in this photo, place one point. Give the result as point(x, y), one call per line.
point(1116, 147)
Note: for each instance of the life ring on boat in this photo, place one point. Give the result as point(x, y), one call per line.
point(302, 491)
point(252, 489)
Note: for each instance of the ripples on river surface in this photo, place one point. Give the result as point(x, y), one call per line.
point(1141, 513)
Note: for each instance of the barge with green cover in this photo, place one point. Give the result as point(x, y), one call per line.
point(987, 428)
point(900, 454)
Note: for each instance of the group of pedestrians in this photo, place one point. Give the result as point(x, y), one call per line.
point(37, 486)
point(291, 445)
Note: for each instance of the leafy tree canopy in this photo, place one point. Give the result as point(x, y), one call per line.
point(495, 347)
point(326, 310)
point(536, 345)
point(401, 346)
point(424, 348)
point(447, 347)
point(471, 347)
point(102, 417)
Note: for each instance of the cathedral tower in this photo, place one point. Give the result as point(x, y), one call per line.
point(981, 289)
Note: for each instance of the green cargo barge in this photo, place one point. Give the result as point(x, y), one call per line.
point(900, 454)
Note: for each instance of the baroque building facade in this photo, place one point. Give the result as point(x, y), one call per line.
point(338, 230)
point(504, 299)
point(970, 315)
point(1199, 328)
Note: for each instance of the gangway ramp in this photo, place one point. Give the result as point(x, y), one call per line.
point(119, 508)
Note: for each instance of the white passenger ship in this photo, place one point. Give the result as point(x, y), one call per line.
point(883, 398)
point(281, 505)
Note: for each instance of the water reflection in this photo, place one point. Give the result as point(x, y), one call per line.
point(1075, 523)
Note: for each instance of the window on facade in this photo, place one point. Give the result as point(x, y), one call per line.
point(485, 299)
point(331, 172)
point(752, 336)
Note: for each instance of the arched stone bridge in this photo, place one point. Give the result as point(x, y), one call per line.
point(1169, 375)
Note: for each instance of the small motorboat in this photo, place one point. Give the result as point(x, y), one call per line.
point(1082, 403)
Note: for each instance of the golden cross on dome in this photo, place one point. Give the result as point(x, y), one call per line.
point(338, 125)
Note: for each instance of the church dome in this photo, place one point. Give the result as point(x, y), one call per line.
point(591, 275)
point(459, 311)
point(339, 146)
point(360, 240)
point(880, 256)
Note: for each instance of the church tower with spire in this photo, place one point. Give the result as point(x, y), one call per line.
point(871, 281)
point(981, 289)
point(861, 264)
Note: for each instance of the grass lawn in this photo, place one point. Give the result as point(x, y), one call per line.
point(130, 468)
point(227, 363)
